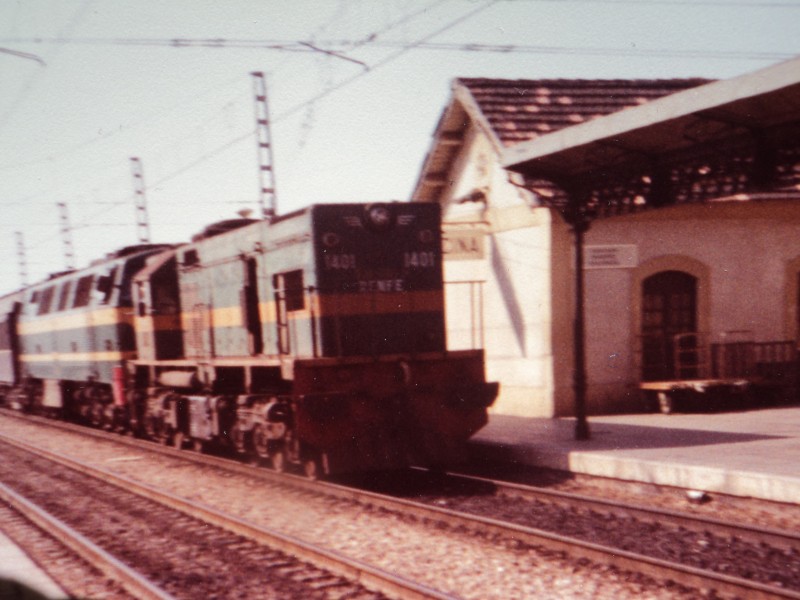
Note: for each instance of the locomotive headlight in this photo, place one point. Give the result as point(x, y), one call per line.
point(379, 217)
point(331, 240)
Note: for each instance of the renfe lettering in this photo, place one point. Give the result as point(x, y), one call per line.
point(381, 285)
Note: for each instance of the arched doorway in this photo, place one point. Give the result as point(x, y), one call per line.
point(669, 308)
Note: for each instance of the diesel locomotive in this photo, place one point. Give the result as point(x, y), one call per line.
point(315, 339)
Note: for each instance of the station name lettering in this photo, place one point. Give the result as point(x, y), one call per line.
point(381, 285)
point(463, 245)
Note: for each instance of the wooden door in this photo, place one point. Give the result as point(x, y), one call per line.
point(669, 308)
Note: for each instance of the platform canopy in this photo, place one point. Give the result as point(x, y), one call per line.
point(725, 139)
point(740, 135)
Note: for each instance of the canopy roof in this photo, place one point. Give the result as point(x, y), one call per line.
point(710, 113)
point(510, 111)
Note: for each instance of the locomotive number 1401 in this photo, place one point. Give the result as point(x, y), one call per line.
point(423, 260)
point(340, 261)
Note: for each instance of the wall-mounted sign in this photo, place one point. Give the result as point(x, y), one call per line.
point(622, 256)
point(463, 244)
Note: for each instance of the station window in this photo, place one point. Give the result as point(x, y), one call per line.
point(45, 300)
point(83, 292)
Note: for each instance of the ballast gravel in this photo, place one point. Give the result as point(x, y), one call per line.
point(458, 563)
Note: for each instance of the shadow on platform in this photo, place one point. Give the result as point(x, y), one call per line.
point(521, 432)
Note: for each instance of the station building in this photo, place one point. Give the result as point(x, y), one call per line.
point(686, 194)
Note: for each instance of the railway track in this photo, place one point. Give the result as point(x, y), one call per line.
point(433, 511)
point(175, 548)
point(667, 543)
point(73, 576)
point(785, 539)
point(131, 581)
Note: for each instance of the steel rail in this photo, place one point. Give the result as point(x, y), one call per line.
point(787, 540)
point(134, 583)
point(657, 568)
point(370, 577)
point(780, 538)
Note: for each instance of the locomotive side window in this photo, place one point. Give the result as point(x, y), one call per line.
point(141, 296)
point(190, 257)
point(105, 285)
point(83, 291)
point(64, 297)
point(289, 287)
point(45, 301)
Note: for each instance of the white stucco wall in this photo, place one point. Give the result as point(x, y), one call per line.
point(515, 293)
point(749, 252)
point(518, 306)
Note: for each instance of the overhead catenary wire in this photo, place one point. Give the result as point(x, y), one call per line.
point(215, 152)
point(377, 42)
point(291, 111)
point(101, 137)
point(471, 47)
point(76, 18)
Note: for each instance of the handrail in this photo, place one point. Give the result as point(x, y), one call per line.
point(689, 356)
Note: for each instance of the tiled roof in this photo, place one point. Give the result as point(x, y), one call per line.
point(523, 109)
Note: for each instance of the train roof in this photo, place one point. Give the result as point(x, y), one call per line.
point(129, 251)
point(116, 256)
point(222, 227)
point(154, 263)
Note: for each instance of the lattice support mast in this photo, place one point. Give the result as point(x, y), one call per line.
point(66, 236)
point(142, 222)
point(266, 173)
point(23, 263)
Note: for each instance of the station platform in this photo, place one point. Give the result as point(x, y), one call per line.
point(21, 578)
point(750, 453)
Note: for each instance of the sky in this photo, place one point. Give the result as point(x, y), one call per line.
point(355, 89)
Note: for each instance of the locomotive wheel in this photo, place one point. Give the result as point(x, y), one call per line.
point(198, 445)
point(278, 459)
point(239, 439)
point(163, 433)
point(96, 416)
point(177, 440)
point(150, 427)
point(312, 468)
point(261, 441)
